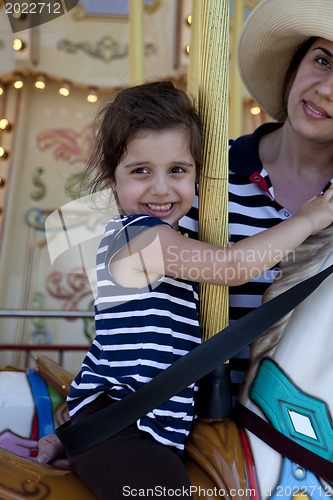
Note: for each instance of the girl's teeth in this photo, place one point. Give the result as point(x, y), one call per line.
point(159, 207)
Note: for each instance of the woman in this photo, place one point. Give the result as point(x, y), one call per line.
point(289, 73)
point(285, 56)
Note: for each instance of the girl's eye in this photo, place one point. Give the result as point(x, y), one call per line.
point(140, 170)
point(177, 170)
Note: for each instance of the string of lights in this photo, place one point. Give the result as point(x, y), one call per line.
point(40, 84)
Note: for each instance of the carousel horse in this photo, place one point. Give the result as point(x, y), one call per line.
point(32, 404)
point(289, 385)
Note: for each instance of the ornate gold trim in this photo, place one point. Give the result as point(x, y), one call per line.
point(106, 49)
point(79, 13)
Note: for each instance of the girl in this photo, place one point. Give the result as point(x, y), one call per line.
point(148, 150)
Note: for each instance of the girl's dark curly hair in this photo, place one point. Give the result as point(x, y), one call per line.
point(154, 106)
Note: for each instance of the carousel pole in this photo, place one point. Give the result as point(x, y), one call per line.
point(213, 182)
point(236, 96)
point(193, 67)
point(136, 45)
point(214, 397)
point(214, 446)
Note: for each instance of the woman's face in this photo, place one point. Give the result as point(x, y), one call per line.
point(310, 102)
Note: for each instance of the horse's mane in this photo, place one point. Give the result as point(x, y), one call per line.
point(299, 265)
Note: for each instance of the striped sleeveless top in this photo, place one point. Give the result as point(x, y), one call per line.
point(139, 333)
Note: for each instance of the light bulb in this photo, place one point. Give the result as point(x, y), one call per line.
point(40, 82)
point(64, 89)
point(3, 153)
point(5, 125)
point(18, 44)
point(255, 110)
point(92, 96)
point(18, 82)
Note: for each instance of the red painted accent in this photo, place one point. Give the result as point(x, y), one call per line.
point(34, 429)
point(249, 466)
point(39, 347)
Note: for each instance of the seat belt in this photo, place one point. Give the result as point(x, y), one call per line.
point(94, 429)
point(285, 446)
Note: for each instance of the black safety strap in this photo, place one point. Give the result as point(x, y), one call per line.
point(96, 428)
point(282, 444)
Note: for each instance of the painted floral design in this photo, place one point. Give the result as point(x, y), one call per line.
point(70, 288)
point(66, 144)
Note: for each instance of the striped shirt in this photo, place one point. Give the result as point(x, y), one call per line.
point(139, 333)
point(252, 209)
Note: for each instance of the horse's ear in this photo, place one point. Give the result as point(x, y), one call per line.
point(54, 374)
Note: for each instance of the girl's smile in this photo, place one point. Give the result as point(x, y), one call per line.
point(160, 210)
point(157, 175)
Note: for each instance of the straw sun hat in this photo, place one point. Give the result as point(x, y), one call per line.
point(268, 41)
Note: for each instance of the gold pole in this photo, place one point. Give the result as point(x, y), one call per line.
point(236, 85)
point(213, 190)
point(193, 67)
point(136, 45)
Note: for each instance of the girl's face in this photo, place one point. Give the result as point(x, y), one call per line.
point(310, 103)
point(157, 175)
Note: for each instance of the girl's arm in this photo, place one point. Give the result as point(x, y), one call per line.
point(180, 257)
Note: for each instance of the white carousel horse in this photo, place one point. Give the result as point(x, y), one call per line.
point(289, 384)
point(290, 379)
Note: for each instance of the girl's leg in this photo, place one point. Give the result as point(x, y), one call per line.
point(131, 464)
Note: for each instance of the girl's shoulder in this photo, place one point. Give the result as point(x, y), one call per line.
point(119, 222)
point(123, 228)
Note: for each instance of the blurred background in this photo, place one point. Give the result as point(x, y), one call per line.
point(54, 78)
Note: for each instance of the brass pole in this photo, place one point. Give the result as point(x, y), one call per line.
point(136, 45)
point(236, 85)
point(213, 190)
point(193, 67)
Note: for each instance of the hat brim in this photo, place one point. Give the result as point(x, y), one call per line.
point(268, 41)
